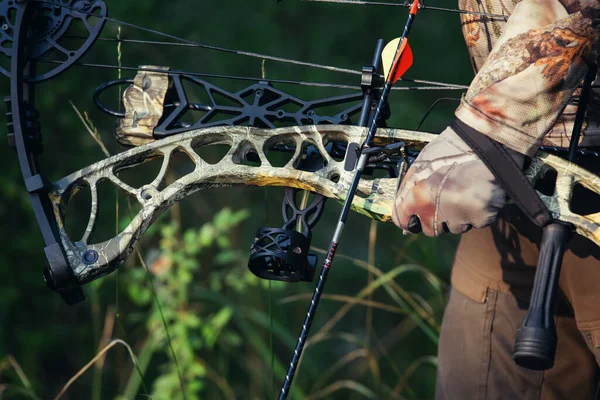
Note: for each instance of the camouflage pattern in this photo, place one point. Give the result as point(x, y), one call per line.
point(536, 62)
point(333, 180)
point(568, 176)
point(529, 68)
point(143, 102)
point(449, 189)
point(375, 199)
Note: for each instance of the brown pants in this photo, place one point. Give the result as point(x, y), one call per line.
point(492, 279)
point(475, 354)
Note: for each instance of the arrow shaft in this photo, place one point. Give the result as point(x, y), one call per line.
point(314, 303)
point(361, 164)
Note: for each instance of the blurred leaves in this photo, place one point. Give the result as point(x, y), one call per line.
point(172, 321)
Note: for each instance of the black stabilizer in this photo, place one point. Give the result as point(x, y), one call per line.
point(535, 344)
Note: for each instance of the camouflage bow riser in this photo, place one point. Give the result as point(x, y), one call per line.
point(375, 196)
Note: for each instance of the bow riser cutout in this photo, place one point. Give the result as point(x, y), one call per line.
point(375, 199)
point(332, 180)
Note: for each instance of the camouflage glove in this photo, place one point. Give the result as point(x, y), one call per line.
point(448, 189)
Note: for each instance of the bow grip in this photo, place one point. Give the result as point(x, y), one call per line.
point(535, 344)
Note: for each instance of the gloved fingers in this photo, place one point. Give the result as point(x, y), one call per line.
point(447, 203)
point(412, 207)
point(448, 189)
point(414, 226)
point(456, 226)
point(415, 211)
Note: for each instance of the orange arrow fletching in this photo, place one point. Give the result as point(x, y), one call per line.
point(402, 63)
point(395, 68)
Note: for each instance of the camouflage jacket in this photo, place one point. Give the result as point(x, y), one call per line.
point(529, 69)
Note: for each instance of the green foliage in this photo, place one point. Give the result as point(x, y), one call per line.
point(172, 320)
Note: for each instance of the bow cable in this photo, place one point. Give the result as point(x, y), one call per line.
point(179, 41)
point(208, 46)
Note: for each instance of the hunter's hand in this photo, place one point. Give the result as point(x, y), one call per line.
point(448, 189)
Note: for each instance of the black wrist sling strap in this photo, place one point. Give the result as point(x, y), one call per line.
point(506, 171)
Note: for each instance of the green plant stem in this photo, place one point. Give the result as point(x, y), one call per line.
point(97, 377)
point(135, 380)
point(272, 383)
point(119, 74)
point(164, 321)
point(96, 358)
point(371, 261)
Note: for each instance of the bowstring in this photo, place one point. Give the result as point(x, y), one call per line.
point(179, 41)
point(208, 46)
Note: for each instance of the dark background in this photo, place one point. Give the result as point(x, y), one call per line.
point(232, 334)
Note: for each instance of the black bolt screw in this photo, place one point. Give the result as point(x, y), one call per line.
point(89, 257)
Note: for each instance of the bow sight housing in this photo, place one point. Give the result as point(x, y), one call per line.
point(281, 254)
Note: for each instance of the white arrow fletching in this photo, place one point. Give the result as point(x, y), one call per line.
point(387, 56)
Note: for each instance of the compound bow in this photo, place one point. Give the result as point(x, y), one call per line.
point(323, 147)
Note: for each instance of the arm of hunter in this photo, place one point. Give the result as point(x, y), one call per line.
point(516, 99)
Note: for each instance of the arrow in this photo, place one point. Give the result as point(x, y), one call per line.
point(397, 55)
point(402, 60)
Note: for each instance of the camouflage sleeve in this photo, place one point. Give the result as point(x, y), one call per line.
point(481, 33)
point(528, 68)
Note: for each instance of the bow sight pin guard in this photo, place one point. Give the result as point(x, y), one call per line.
point(281, 254)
